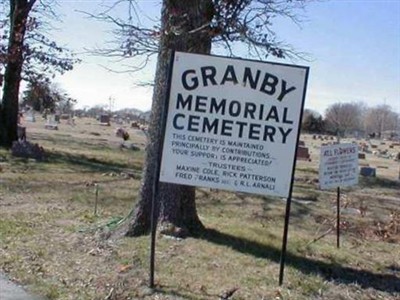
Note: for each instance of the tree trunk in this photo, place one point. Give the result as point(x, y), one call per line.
point(19, 11)
point(175, 206)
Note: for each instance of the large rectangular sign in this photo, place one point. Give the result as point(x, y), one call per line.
point(338, 166)
point(232, 124)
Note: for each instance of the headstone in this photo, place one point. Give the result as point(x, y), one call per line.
point(30, 117)
point(65, 117)
point(21, 132)
point(122, 133)
point(397, 156)
point(368, 171)
point(302, 153)
point(71, 121)
point(105, 120)
point(383, 152)
point(51, 123)
point(361, 155)
point(374, 146)
point(135, 125)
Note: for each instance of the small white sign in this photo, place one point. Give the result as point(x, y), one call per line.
point(338, 166)
point(232, 124)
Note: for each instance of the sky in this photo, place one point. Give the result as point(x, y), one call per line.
point(353, 45)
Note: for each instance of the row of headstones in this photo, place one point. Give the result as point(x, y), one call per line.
point(383, 153)
point(323, 138)
point(365, 170)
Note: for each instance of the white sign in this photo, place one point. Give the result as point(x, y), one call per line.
point(338, 166)
point(232, 124)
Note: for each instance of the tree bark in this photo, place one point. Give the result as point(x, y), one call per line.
point(182, 29)
point(19, 11)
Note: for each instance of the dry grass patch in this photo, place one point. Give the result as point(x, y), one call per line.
point(50, 239)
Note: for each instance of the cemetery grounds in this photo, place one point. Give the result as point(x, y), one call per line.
point(53, 243)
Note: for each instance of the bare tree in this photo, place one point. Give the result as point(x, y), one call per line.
point(341, 118)
point(312, 122)
point(45, 97)
point(189, 26)
point(381, 118)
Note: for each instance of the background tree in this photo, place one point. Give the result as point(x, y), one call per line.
point(97, 110)
point(381, 118)
point(38, 97)
point(65, 104)
point(189, 26)
point(342, 118)
point(42, 96)
point(312, 122)
point(26, 53)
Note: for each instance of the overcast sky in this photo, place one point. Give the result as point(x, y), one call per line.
point(354, 47)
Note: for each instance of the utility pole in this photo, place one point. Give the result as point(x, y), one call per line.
point(111, 102)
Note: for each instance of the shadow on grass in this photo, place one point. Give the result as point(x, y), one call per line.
point(377, 182)
point(90, 163)
point(330, 271)
point(185, 293)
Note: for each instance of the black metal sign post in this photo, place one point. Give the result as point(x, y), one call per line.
point(284, 239)
point(167, 162)
point(338, 217)
point(289, 199)
point(287, 215)
point(153, 228)
point(156, 176)
point(338, 168)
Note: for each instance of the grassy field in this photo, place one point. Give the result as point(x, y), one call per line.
point(50, 239)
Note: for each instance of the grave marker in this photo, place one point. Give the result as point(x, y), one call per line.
point(51, 123)
point(105, 120)
point(30, 117)
point(368, 171)
point(302, 153)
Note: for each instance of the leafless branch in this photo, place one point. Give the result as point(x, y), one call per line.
point(240, 21)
